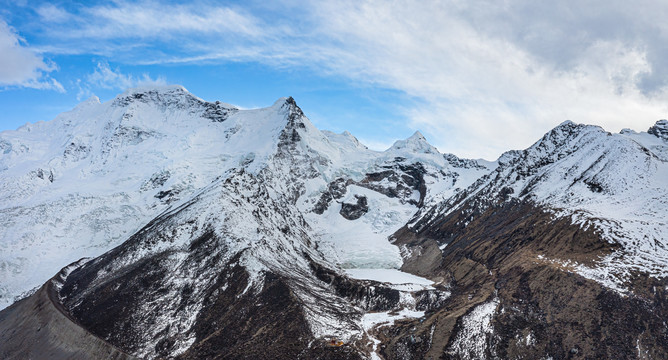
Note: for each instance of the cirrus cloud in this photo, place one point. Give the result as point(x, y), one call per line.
point(106, 77)
point(21, 66)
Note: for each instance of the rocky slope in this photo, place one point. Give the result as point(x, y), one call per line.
point(558, 253)
point(251, 233)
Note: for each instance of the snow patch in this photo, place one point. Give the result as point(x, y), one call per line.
point(371, 321)
point(472, 340)
point(397, 279)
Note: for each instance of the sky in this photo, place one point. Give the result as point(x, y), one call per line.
point(475, 77)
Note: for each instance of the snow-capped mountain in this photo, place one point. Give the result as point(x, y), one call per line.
point(208, 231)
point(560, 252)
point(79, 185)
point(617, 184)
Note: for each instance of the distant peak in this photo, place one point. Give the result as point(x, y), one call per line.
point(283, 100)
point(660, 129)
point(164, 94)
point(290, 105)
point(414, 143)
point(353, 139)
point(93, 100)
point(289, 101)
point(662, 124)
point(417, 136)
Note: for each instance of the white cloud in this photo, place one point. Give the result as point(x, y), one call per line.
point(52, 13)
point(481, 93)
point(22, 67)
point(152, 19)
point(105, 77)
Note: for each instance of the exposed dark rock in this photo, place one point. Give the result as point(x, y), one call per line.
point(370, 295)
point(594, 186)
point(398, 180)
point(76, 152)
point(157, 180)
point(457, 162)
point(216, 112)
point(44, 175)
point(178, 98)
point(660, 129)
point(547, 310)
point(269, 324)
point(356, 210)
point(335, 190)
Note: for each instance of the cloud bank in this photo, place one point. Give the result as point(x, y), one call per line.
point(21, 66)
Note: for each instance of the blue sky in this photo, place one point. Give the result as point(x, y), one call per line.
point(475, 77)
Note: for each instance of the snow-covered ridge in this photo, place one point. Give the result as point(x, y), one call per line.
point(617, 183)
point(247, 217)
point(82, 183)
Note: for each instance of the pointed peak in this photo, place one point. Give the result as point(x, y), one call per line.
point(353, 139)
point(570, 127)
point(282, 101)
point(289, 100)
point(93, 100)
point(416, 138)
point(290, 105)
point(417, 135)
point(415, 143)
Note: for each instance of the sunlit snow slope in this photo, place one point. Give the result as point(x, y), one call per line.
point(82, 183)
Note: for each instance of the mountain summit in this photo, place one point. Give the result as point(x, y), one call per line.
point(416, 143)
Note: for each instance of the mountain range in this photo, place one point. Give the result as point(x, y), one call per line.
point(160, 225)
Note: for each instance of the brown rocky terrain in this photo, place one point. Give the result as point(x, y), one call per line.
point(38, 327)
point(516, 253)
